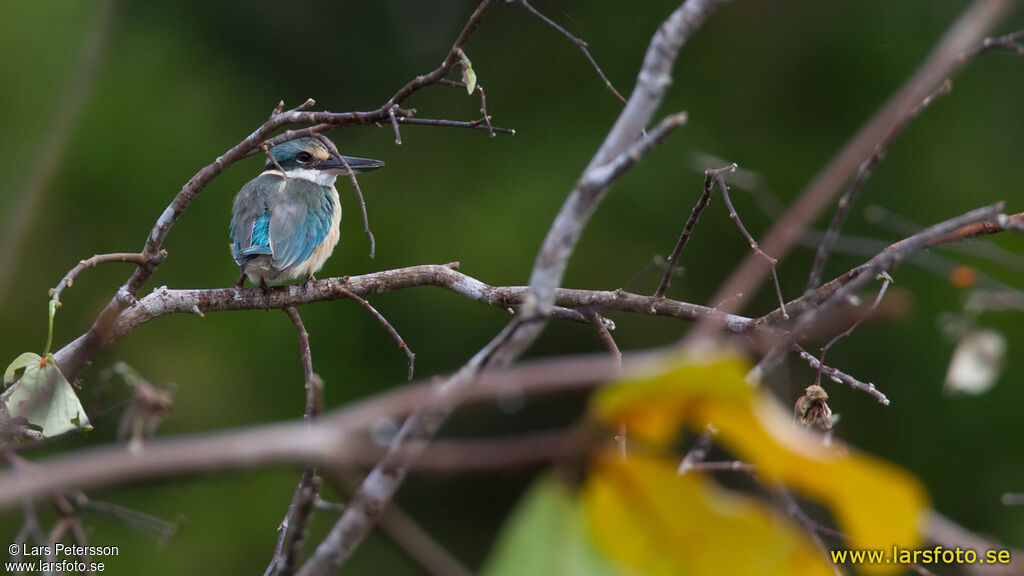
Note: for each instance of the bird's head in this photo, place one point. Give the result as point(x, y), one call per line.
point(310, 158)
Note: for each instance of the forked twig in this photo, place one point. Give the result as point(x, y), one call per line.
point(717, 175)
point(485, 117)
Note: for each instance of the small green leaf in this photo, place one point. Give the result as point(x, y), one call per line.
point(24, 361)
point(468, 75)
point(44, 397)
point(547, 536)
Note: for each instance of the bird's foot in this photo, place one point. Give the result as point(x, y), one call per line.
point(264, 287)
point(305, 285)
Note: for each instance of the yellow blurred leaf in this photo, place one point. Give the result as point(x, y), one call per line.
point(876, 504)
point(654, 522)
point(655, 407)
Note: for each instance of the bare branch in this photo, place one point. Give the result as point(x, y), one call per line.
point(607, 338)
point(864, 172)
point(734, 215)
point(577, 41)
point(886, 280)
point(841, 377)
point(394, 124)
point(983, 218)
point(127, 257)
point(1010, 42)
point(482, 124)
point(940, 64)
point(651, 85)
point(699, 451)
point(923, 239)
point(684, 236)
point(300, 510)
point(165, 301)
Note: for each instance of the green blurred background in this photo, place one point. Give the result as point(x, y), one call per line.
point(776, 87)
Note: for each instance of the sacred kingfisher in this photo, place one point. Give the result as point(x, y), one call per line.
point(284, 222)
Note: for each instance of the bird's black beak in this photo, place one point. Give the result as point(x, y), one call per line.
point(358, 165)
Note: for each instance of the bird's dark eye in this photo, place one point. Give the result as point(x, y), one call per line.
point(304, 157)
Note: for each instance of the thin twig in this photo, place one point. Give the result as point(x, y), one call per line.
point(717, 174)
point(473, 125)
point(313, 384)
point(839, 376)
point(886, 280)
point(980, 221)
point(1012, 499)
point(161, 529)
point(1011, 41)
point(726, 466)
point(355, 184)
point(606, 337)
point(265, 148)
point(684, 236)
point(910, 245)
point(296, 521)
point(578, 42)
point(394, 124)
point(990, 251)
point(864, 172)
point(699, 451)
point(69, 278)
point(483, 110)
point(810, 527)
point(409, 354)
point(69, 516)
point(30, 523)
point(485, 117)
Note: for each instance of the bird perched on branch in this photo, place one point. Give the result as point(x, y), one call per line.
point(284, 222)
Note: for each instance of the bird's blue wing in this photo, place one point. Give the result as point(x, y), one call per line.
point(283, 217)
point(250, 218)
point(300, 218)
